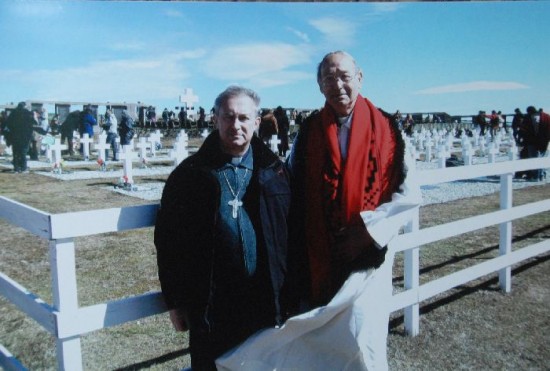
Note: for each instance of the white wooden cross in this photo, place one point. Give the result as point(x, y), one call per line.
point(49, 153)
point(179, 153)
point(449, 141)
point(493, 152)
point(7, 150)
point(513, 151)
point(482, 146)
point(85, 141)
point(441, 156)
point(101, 146)
point(274, 142)
point(182, 135)
point(420, 142)
point(467, 152)
point(142, 146)
point(189, 99)
point(154, 139)
point(476, 138)
point(127, 156)
point(429, 148)
point(56, 148)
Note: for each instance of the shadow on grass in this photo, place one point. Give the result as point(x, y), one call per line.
point(456, 259)
point(155, 361)
point(488, 285)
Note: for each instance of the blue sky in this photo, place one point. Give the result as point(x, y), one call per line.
point(458, 57)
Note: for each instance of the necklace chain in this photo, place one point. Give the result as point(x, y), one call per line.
point(235, 203)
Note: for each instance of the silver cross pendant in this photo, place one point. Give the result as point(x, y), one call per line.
point(235, 203)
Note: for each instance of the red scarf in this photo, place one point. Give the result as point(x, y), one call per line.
point(338, 192)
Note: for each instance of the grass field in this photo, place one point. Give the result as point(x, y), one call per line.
point(475, 326)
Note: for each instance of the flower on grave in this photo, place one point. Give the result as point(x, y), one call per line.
point(125, 178)
point(102, 164)
point(57, 167)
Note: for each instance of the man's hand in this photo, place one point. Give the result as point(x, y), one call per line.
point(179, 319)
point(350, 242)
point(355, 242)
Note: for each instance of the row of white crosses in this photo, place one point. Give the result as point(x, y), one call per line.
point(126, 154)
point(428, 141)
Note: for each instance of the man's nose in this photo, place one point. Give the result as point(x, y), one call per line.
point(235, 123)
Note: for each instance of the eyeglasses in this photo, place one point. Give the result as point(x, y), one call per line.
point(332, 79)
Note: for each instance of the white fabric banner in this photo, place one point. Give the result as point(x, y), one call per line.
point(349, 333)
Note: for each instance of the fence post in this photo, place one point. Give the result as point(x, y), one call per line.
point(505, 242)
point(65, 299)
point(412, 279)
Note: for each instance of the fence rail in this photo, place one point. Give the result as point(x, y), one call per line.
point(67, 321)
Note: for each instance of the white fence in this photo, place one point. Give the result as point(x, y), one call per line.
point(67, 321)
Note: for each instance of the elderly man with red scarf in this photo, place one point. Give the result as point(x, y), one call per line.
point(347, 161)
point(349, 174)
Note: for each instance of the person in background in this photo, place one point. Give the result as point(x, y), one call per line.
point(182, 117)
point(268, 126)
point(516, 123)
point(408, 125)
point(54, 124)
point(111, 128)
point(126, 128)
point(536, 135)
point(68, 127)
point(87, 123)
point(481, 121)
point(283, 125)
point(221, 234)
point(494, 123)
point(18, 131)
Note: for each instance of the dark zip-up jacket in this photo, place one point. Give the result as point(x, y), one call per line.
point(185, 230)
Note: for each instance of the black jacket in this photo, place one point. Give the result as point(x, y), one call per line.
point(185, 233)
point(18, 127)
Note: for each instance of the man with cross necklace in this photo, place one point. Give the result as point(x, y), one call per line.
point(221, 234)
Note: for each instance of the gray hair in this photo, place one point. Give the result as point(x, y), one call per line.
point(235, 91)
point(327, 56)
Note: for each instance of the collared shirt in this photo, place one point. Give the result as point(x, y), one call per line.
point(343, 135)
point(237, 234)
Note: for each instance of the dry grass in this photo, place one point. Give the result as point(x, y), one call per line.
point(471, 327)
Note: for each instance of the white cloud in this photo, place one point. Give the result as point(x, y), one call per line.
point(473, 86)
point(115, 80)
point(128, 46)
point(33, 8)
point(381, 8)
point(173, 13)
point(261, 64)
point(301, 35)
point(335, 30)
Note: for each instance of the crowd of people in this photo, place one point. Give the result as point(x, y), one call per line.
point(26, 130)
point(532, 133)
point(170, 119)
point(247, 238)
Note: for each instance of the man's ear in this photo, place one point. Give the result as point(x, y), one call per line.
point(360, 78)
